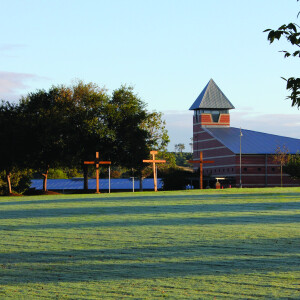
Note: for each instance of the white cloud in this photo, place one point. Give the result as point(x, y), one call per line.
point(280, 124)
point(12, 84)
point(9, 47)
point(180, 124)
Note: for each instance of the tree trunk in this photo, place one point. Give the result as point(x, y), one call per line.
point(141, 183)
point(8, 175)
point(45, 179)
point(281, 175)
point(85, 179)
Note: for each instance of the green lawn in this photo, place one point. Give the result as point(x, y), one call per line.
point(242, 244)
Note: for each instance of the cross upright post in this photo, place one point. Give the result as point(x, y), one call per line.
point(153, 161)
point(201, 162)
point(97, 162)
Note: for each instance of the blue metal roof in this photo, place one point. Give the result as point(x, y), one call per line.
point(77, 184)
point(211, 98)
point(253, 142)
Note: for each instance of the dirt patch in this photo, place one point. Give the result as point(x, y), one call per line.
point(14, 195)
point(49, 193)
point(39, 193)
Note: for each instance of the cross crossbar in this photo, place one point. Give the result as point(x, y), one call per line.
point(151, 161)
point(97, 162)
point(154, 161)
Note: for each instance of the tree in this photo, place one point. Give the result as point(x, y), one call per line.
point(292, 167)
point(12, 136)
point(64, 125)
point(292, 35)
point(158, 138)
point(125, 115)
point(281, 157)
point(180, 147)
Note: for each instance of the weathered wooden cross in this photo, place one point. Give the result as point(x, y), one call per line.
point(201, 162)
point(153, 161)
point(97, 162)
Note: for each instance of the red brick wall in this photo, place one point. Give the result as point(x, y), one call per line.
point(261, 171)
point(206, 120)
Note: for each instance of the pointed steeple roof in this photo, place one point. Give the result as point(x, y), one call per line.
point(211, 98)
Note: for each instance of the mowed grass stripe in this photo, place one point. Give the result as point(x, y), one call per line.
point(185, 245)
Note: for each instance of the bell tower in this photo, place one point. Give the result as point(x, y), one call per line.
point(211, 108)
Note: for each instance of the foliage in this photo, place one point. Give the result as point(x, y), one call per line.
point(72, 172)
point(292, 167)
point(230, 244)
point(13, 141)
point(20, 180)
point(179, 147)
point(126, 113)
point(281, 157)
point(158, 138)
point(182, 158)
point(292, 35)
point(176, 179)
point(57, 174)
point(65, 125)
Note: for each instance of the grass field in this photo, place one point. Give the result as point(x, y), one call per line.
point(237, 244)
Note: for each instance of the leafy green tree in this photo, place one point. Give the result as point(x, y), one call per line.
point(12, 136)
point(158, 138)
point(181, 159)
point(57, 174)
point(176, 178)
point(45, 123)
point(180, 147)
point(20, 181)
point(292, 167)
point(292, 35)
point(66, 125)
point(126, 114)
point(281, 157)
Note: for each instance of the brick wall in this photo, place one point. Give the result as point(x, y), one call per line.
point(257, 170)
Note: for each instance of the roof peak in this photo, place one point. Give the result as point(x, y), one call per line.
point(211, 97)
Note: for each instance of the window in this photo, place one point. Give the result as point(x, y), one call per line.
point(245, 169)
point(258, 169)
point(273, 169)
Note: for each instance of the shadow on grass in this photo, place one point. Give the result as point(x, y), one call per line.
point(269, 248)
point(154, 197)
point(230, 220)
point(150, 262)
point(156, 209)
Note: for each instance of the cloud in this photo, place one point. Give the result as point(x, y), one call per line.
point(12, 84)
point(9, 47)
point(180, 124)
point(279, 124)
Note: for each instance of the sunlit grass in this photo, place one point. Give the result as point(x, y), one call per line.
point(185, 245)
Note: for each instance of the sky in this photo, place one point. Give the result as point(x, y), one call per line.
point(167, 50)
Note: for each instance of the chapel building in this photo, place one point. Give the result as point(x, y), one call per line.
point(241, 157)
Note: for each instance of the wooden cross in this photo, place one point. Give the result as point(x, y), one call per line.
point(97, 162)
point(201, 162)
point(153, 161)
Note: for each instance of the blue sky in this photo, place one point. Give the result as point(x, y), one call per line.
point(168, 50)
